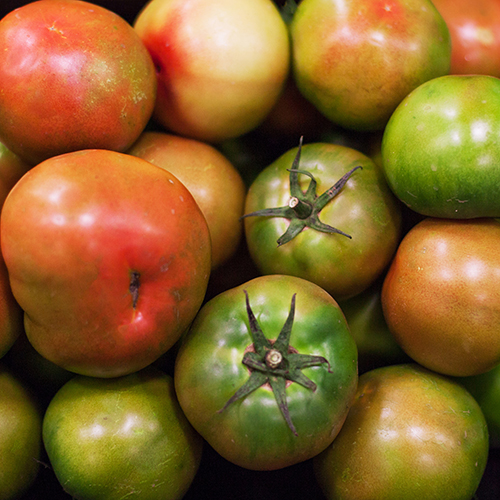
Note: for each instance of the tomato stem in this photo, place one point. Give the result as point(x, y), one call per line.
point(303, 208)
point(275, 363)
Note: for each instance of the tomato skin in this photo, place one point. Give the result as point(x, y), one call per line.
point(356, 60)
point(485, 388)
point(214, 182)
point(475, 35)
point(252, 432)
point(365, 209)
point(221, 65)
point(111, 262)
point(441, 295)
point(20, 436)
point(455, 175)
point(119, 437)
point(73, 76)
point(410, 433)
point(12, 168)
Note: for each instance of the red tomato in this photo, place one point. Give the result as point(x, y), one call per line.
point(475, 35)
point(221, 64)
point(73, 75)
point(110, 263)
point(441, 295)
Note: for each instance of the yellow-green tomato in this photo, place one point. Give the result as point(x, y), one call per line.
point(124, 437)
point(20, 436)
point(364, 209)
point(221, 65)
point(410, 433)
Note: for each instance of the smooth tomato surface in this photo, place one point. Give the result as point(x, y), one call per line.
point(221, 64)
point(73, 75)
point(475, 35)
point(214, 182)
point(110, 262)
point(441, 295)
point(252, 432)
point(440, 149)
point(20, 436)
point(356, 60)
point(121, 437)
point(410, 433)
point(365, 209)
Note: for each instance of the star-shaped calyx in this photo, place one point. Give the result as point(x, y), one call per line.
point(275, 363)
point(304, 207)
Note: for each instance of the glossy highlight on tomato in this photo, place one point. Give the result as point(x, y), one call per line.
point(251, 431)
point(440, 149)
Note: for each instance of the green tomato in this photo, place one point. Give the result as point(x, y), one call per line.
point(20, 437)
point(440, 149)
point(363, 213)
point(267, 372)
point(411, 433)
point(376, 345)
point(122, 437)
point(485, 388)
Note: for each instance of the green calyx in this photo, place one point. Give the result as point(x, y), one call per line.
point(304, 207)
point(275, 363)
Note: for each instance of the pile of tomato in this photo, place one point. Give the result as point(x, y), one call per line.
point(249, 249)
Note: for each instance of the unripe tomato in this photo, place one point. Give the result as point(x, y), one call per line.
point(20, 437)
point(109, 439)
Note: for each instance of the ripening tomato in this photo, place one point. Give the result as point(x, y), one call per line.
point(221, 65)
point(210, 177)
point(109, 257)
point(475, 35)
point(441, 295)
point(410, 433)
point(343, 232)
point(73, 75)
point(356, 60)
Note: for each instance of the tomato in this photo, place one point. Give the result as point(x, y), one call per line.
point(475, 35)
point(121, 437)
point(455, 175)
point(267, 372)
point(364, 210)
point(12, 168)
point(441, 295)
point(375, 342)
point(485, 388)
point(214, 182)
point(20, 436)
point(221, 65)
point(356, 60)
point(411, 433)
point(110, 262)
point(73, 75)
